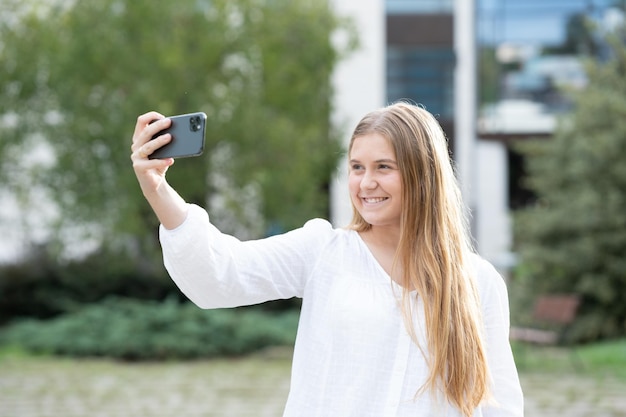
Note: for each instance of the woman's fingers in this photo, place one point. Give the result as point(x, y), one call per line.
point(145, 150)
point(147, 126)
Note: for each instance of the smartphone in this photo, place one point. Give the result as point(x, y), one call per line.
point(188, 133)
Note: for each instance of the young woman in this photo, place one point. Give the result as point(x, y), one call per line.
point(399, 316)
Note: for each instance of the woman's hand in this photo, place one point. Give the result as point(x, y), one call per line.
point(150, 172)
point(169, 207)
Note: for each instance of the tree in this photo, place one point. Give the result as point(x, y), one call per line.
point(579, 37)
point(489, 72)
point(75, 75)
point(574, 238)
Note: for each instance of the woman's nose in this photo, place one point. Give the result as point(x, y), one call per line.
point(368, 182)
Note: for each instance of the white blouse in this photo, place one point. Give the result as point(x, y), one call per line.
point(353, 355)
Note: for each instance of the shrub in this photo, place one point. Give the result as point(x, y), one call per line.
point(40, 286)
point(149, 330)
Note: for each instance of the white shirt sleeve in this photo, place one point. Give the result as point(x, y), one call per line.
point(215, 270)
point(507, 398)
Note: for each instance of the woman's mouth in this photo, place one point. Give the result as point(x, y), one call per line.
point(374, 200)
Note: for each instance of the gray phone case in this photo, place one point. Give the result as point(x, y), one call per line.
point(188, 135)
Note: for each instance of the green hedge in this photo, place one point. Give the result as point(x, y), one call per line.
point(150, 330)
point(40, 286)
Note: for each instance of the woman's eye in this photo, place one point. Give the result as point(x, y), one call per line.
point(356, 167)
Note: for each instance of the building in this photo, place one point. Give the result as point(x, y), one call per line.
point(431, 58)
point(420, 59)
point(428, 50)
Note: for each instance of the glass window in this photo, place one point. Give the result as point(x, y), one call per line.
point(418, 6)
point(422, 75)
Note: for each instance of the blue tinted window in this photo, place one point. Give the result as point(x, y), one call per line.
point(418, 6)
point(423, 75)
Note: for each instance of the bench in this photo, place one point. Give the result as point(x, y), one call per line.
point(556, 312)
point(553, 315)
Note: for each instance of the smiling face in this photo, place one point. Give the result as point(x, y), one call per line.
point(375, 182)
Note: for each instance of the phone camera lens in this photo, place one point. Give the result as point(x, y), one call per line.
point(195, 124)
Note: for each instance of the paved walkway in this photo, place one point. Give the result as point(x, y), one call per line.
point(570, 395)
point(253, 387)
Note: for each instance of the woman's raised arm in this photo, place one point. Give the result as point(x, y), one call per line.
point(167, 204)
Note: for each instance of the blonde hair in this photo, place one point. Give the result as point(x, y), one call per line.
point(433, 253)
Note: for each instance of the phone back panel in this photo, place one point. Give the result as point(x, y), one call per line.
point(188, 135)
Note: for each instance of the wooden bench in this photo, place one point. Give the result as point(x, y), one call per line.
point(556, 312)
point(552, 315)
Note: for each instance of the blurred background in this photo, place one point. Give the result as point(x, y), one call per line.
point(532, 97)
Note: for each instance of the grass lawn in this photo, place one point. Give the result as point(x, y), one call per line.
point(602, 359)
point(554, 384)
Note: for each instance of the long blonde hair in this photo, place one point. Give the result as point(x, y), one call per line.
point(433, 253)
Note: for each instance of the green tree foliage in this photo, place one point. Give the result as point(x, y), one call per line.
point(488, 74)
point(75, 75)
point(574, 238)
point(579, 37)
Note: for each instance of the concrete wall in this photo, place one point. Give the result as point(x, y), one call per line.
point(359, 83)
point(491, 216)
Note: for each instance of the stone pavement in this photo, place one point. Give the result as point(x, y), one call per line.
point(570, 395)
point(252, 387)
